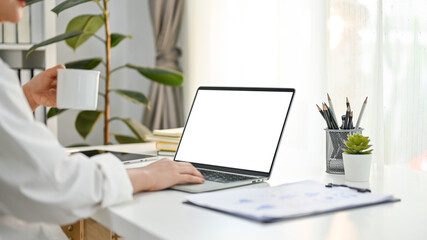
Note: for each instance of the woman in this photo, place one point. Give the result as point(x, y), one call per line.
point(40, 183)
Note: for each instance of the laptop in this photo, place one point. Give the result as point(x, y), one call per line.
point(232, 135)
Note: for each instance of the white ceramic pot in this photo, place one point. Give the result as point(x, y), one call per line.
point(357, 167)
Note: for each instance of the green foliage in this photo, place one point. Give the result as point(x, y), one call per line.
point(160, 75)
point(68, 4)
point(88, 64)
point(126, 139)
point(30, 2)
point(116, 38)
point(54, 111)
point(80, 29)
point(85, 122)
point(88, 24)
point(137, 128)
point(58, 38)
point(357, 144)
point(135, 97)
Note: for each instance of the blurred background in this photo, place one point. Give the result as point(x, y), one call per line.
point(347, 48)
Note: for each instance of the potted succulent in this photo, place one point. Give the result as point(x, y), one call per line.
point(357, 158)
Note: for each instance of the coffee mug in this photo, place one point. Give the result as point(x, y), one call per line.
point(77, 89)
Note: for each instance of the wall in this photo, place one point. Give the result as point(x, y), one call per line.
point(276, 43)
point(129, 17)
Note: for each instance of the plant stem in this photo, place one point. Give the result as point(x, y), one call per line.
point(118, 68)
point(107, 72)
point(99, 38)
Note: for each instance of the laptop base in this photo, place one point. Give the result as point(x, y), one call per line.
point(209, 186)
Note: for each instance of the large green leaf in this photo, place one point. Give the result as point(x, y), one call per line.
point(80, 145)
point(55, 39)
point(137, 128)
point(89, 24)
point(85, 122)
point(30, 2)
point(135, 97)
point(161, 75)
point(90, 63)
point(54, 111)
point(116, 38)
point(122, 139)
point(68, 4)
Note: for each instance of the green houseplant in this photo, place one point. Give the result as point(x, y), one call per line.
point(357, 144)
point(78, 31)
point(357, 158)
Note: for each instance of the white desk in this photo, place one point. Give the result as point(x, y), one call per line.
point(162, 215)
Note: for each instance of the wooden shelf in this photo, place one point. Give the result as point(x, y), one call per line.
point(23, 47)
point(47, 54)
point(6, 46)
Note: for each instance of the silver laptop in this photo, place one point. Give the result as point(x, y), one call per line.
point(232, 135)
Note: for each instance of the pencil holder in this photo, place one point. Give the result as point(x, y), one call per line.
point(334, 144)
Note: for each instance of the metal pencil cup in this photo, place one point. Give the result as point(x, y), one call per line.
point(334, 144)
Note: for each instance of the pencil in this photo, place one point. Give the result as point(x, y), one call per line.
point(332, 109)
point(321, 113)
point(361, 112)
point(347, 116)
point(325, 112)
point(343, 121)
point(334, 125)
point(350, 124)
point(347, 103)
point(333, 122)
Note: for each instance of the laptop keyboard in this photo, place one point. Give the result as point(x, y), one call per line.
point(222, 177)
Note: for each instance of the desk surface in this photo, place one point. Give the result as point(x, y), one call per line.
point(162, 215)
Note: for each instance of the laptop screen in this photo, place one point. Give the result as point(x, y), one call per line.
point(235, 127)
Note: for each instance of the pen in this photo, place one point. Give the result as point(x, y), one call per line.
point(332, 111)
point(361, 112)
point(330, 185)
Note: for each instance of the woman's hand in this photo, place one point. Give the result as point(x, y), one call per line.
point(163, 174)
point(41, 90)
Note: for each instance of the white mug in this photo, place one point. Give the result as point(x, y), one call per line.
point(77, 89)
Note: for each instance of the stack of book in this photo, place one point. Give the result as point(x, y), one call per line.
point(167, 140)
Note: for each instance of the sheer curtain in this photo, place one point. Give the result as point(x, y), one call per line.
point(347, 48)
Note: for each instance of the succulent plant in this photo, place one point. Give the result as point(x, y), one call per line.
point(357, 144)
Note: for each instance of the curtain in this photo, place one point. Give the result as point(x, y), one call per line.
point(165, 109)
point(347, 48)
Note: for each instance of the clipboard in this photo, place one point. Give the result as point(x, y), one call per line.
point(287, 201)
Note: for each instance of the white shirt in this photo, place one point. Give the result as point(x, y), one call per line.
point(42, 186)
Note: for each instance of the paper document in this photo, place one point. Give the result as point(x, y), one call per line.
point(285, 201)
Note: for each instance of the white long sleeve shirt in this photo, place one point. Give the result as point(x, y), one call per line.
point(42, 186)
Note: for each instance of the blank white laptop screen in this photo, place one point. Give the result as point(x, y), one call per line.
point(234, 128)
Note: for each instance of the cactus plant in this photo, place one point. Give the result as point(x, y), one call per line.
point(357, 144)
